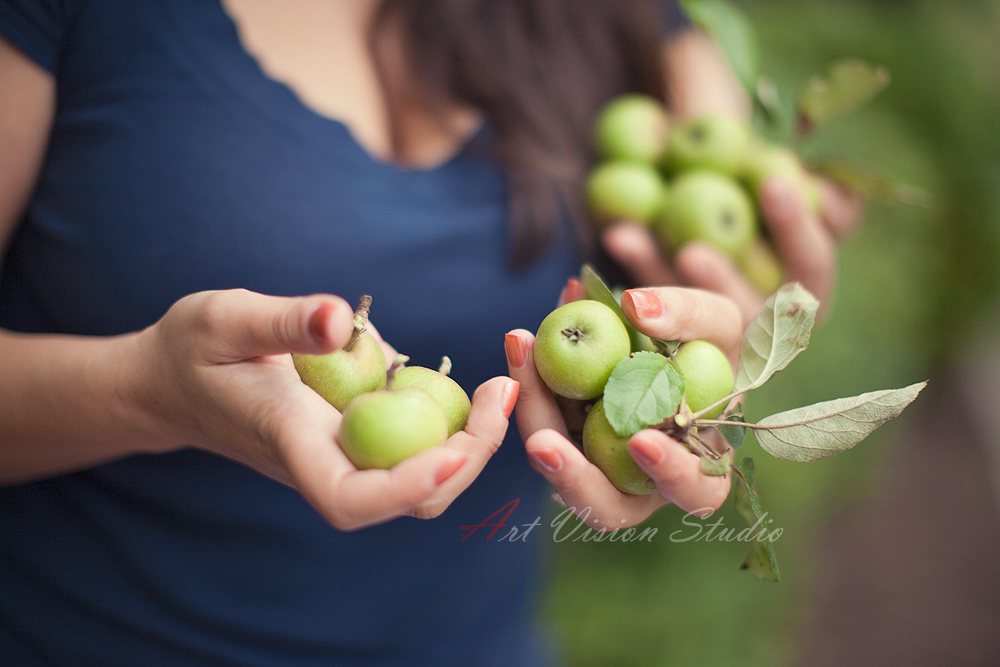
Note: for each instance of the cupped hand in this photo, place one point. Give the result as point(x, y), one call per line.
point(806, 242)
point(216, 373)
point(667, 313)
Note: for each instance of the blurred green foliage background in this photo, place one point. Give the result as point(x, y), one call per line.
point(912, 282)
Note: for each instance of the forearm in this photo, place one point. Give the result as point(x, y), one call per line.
point(70, 402)
point(699, 79)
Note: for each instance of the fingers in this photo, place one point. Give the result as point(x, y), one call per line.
point(801, 239)
point(240, 324)
point(634, 247)
point(841, 209)
point(423, 485)
point(583, 487)
point(536, 407)
point(678, 313)
point(484, 432)
point(703, 266)
point(350, 498)
point(573, 291)
point(677, 473)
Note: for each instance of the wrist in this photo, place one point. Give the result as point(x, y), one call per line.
point(140, 385)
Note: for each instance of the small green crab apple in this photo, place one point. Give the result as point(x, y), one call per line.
point(761, 266)
point(620, 190)
point(708, 377)
point(381, 428)
point(609, 451)
point(706, 206)
point(711, 141)
point(448, 393)
point(762, 160)
point(343, 374)
point(632, 127)
point(577, 346)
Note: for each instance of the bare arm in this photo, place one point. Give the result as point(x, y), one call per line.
point(699, 78)
point(701, 82)
point(214, 373)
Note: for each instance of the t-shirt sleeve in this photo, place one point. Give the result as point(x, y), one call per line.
point(674, 20)
point(38, 28)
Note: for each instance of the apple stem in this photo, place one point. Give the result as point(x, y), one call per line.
point(705, 449)
point(360, 321)
point(397, 364)
point(445, 367)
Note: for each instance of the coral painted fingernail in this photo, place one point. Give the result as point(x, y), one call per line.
point(317, 322)
point(509, 399)
point(516, 349)
point(648, 453)
point(646, 305)
point(449, 468)
point(574, 290)
point(548, 459)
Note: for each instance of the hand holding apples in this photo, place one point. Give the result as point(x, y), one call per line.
point(665, 313)
point(762, 221)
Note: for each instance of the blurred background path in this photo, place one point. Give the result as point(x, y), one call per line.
point(911, 577)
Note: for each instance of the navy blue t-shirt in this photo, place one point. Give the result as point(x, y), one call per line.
point(175, 165)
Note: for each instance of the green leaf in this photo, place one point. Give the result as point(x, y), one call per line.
point(597, 290)
point(767, 102)
point(665, 347)
point(817, 431)
point(870, 184)
point(847, 85)
point(735, 432)
point(716, 468)
point(733, 31)
point(761, 560)
point(778, 333)
point(643, 390)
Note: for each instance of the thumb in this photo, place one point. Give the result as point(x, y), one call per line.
point(249, 324)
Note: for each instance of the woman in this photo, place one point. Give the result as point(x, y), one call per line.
point(170, 485)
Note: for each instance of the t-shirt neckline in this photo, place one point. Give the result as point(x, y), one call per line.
point(240, 72)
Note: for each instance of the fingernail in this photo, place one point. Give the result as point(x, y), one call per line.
point(516, 349)
point(509, 398)
point(449, 468)
point(317, 323)
point(646, 305)
point(574, 290)
point(548, 459)
point(647, 453)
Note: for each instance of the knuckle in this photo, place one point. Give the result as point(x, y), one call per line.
point(343, 519)
point(691, 311)
point(211, 313)
point(285, 326)
point(431, 508)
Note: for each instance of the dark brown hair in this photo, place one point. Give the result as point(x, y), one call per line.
point(538, 70)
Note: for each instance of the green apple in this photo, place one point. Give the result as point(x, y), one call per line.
point(577, 346)
point(708, 377)
point(632, 127)
point(711, 141)
point(448, 393)
point(381, 428)
point(619, 190)
point(706, 206)
point(341, 375)
point(763, 160)
point(609, 451)
point(761, 266)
